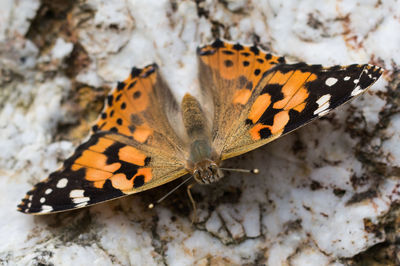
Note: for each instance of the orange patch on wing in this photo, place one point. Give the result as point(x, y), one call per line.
point(99, 184)
point(211, 60)
point(255, 131)
point(280, 121)
point(141, 134)
point(97, 175)
point(300, 96)
point(241, 96)
point(101, 145)
point(76, 167)
point(113, 124)
point(135, 106)
point(259, 106)
point(131, 155)
point(146, 172)
point(280, 78)
point(119, 181)
point(123, 130)
point(96, 160)
point(299, 108)
point(227, 62)
point(292, 85)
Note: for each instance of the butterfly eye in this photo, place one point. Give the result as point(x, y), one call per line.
point(213, 168)
point(196, 174)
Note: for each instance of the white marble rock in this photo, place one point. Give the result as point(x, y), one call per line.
point(320, 190)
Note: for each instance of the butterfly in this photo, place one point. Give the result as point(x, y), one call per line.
point(145, 138)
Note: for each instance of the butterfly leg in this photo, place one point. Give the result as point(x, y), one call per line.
point(188, 188)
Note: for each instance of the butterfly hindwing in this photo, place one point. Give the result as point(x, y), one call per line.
point(228, 75)
point(132, 148)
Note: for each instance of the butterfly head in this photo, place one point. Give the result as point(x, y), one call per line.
point(207, 172)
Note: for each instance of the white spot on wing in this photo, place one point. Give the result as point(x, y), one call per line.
point(76, 193)
point(356, 91)
point(323, 105)
point(46, 208)
point(81, 200)
point(346, 78)
point(83, 204)
point(356, 81)
point(324, 112)
point(62, 183)
point(42, 200)
point(48, 191)
point(331, 81)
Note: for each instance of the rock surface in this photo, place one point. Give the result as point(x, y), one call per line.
point(327, 194)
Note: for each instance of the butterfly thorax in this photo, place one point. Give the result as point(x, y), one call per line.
point(203, 160)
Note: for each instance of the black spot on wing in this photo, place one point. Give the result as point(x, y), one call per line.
point(120, 86)
point(128, 169)
point(112, 152)
point(109, 100)
point(118, 97)
point(218, 44)
point(138, 181)
point(238, 47)
point(255, 50)
point(132, 85)
point(227, 52)
point(228, 63)
point(136, 120)
point(274, 90)
point(249, 85)
point(137, 94)
point(135, 72)
point(267, 118)
point(265, 133)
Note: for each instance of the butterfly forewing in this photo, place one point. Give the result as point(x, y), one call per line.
point(133, 148)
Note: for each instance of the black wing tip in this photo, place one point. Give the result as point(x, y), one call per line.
point(136, 72)
point(369, 75)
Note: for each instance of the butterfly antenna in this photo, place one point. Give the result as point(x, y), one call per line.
point(151, 205)
point(249, 171)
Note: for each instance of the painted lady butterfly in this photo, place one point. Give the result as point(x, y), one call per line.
point(145, 138)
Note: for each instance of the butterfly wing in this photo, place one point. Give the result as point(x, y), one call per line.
point(133, 148)
point(258, 97)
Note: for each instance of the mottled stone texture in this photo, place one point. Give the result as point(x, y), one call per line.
point(327, 194)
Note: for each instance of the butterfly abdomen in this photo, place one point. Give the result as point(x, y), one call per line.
point(194, 118)
point(196, 127)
